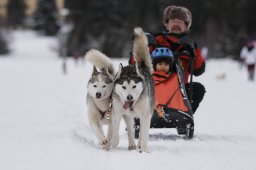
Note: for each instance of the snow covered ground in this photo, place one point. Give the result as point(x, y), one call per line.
point(44, 124)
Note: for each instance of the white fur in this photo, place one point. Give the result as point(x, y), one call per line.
point(132, 88)
point(141, 92)
point(141, 50)
point(100, 60)
point(95, 104)
point(97, 87)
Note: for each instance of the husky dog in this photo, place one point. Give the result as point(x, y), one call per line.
point(133, 96)
point(100, 87)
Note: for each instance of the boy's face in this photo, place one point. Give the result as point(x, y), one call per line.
point(176, 26)
point(162, 66)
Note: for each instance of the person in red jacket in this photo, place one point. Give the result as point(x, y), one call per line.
point(177, 21)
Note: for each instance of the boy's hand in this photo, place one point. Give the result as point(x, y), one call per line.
point(160, 111)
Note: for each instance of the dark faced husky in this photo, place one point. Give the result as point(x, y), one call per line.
point(99, 88)
point(133, 96)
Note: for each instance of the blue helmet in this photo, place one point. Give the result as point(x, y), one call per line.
point(161, 52)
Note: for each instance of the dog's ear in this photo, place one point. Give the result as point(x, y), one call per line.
point(138, 72)
point(107, 71)
point(95, 71)
point(119, 71)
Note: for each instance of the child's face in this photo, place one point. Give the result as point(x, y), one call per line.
point(162, 66)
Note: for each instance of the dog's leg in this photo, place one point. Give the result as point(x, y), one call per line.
point(109, 135)
point(144, 132)
point(130, 129)
point(98, 131)
point(115, 129)
point(139, 141)
point(94, 120)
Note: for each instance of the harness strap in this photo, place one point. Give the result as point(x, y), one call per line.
point(107, 112)
point(170, 99)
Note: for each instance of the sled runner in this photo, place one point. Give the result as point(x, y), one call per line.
point(173, 108)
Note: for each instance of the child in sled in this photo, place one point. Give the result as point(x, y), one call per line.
point(162, 70)
point(172, 104)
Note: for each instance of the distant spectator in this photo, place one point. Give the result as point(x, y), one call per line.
point(248, 57)
point(204, 52)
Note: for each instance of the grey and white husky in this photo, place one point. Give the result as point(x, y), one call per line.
point(133, 96)
point(99, 90)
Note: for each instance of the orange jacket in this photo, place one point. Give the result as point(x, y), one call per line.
point(167, 89)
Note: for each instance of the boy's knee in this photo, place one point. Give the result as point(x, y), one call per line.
point(198, 89)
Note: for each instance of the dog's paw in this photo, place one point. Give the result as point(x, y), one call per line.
point(107, 146)
point(131, 147)
point(143, 150)
point(115, 142)
point(103, 143)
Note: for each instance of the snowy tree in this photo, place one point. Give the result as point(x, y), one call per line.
point(16, 13)
point(45, 17)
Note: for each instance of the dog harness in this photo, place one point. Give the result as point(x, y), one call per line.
point(107, 112)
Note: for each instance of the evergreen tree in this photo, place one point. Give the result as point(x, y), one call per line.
point(97, 25)
point(16, 12)
point(46, 17)
point(222, 26)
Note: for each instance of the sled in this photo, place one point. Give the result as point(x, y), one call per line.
point(174, 102)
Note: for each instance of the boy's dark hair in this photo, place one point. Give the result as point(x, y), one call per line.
point(164, 59)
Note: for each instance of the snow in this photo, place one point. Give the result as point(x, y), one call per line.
point(44, 124)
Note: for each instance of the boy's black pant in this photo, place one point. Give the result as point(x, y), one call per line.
point(197, 94)
point(197, 97)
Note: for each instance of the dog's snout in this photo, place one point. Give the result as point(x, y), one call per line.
point(98, 94)
point(129, 97)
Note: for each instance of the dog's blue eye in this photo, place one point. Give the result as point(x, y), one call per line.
point(123, 87)
point(94, 86)
point(103, 86)
point(134, 86)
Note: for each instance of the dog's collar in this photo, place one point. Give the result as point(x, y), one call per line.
point(108, 111)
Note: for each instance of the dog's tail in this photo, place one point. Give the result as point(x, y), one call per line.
point(100, 60)
point(140, 49)
point(144, 63)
